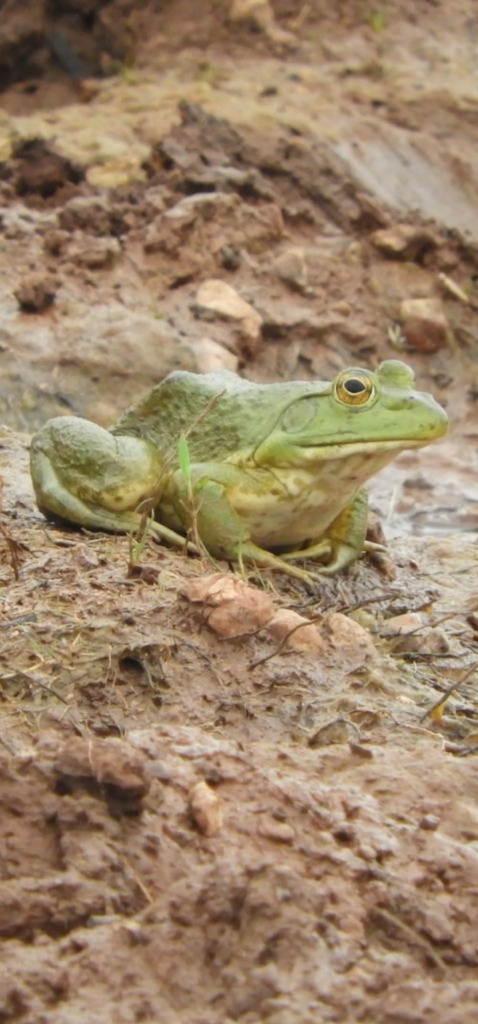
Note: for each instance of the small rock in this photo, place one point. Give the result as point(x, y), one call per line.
point(342, 307)
point(88, 213)
point(210, 355)
point(231, 257)
point(205, 205)
point(429, 822)
point(278, 831)
point(117, 172)
point(282, 317)
point(230, 606)
point(305, 636)
point(260, 15)
point(86, 557)
point(55, 240)
point(291, 267)
point(36, 293)
point(354, 643)
point(404, 242)
point(205, 808)
point(424, 324)
point(95, 253)
point(401, 624)
point(215, 298)
point(338, 731)
point(366, 753)
point(432, 642)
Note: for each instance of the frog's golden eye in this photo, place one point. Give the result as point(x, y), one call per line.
point(354, 388)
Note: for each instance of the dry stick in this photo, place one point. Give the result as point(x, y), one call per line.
point(281, 645)
point(13, 548)
point(411, 934)
point(444, 696)
point(34, 682)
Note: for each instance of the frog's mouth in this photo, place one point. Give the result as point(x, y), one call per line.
point(341, 450)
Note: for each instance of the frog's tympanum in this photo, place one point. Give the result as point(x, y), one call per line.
point(263, 473)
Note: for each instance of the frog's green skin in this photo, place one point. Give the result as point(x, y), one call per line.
point(270, 468)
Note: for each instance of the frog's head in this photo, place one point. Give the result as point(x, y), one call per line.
point(359, 412)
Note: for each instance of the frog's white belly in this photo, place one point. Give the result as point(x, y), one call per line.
point(299, 505)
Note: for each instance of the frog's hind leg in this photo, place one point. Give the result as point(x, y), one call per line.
point(85, 475)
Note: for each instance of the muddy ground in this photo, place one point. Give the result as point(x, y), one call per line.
point(211, 811)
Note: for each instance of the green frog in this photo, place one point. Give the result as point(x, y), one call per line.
point(264, 473)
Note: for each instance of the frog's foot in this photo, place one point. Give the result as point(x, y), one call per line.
point(323, 549)
point(250, 552)
point(338, 555)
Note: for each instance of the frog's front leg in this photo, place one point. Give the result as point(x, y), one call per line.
point(343, 541)
point(203, 506)
point(86, 475)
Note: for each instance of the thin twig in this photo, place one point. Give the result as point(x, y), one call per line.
point(444, 696)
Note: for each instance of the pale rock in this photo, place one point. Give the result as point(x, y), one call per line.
point(277, 831)
point(202, 204)
point(399, 625)
point(291, 267)
point(94, 253)
point(403, 242)
point(216, 298)
point(36, 292)
point(260, 15)
point(229, 606)
point(429, 642)
point(210, 355)
point(424, 324)
point(91, 214)
point(205, 808)
point(124, 170)
point(349, 638)
point(338, 731)
point(86, 557)
point(342, 307)
point(294, 631)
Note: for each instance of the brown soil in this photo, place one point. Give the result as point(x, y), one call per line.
point(326, 866)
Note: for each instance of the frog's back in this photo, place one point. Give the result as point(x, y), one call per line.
point(219, 412)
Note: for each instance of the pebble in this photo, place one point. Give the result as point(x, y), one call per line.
point(399, 625)
point(403, 242)
point(216, 298)
point(291, 267)
point(260, 14)
point(36, 293)
point(432, 642)
point(205, 808)
point(305, 636)
point(210, 355)
point(229, 606)
point(278, 831)
point(345, 634)
point(424, 324)
point(95, 253)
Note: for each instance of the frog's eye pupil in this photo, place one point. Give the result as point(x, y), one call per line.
point(354, 386)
